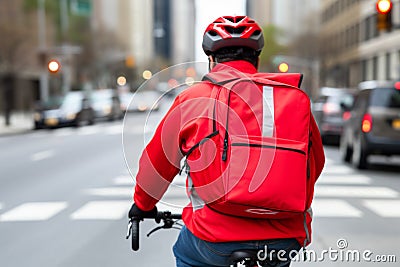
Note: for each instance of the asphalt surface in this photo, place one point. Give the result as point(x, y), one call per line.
point(65, 193)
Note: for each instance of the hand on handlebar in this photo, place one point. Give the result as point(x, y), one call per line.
point(135, 212)
point(136, 215)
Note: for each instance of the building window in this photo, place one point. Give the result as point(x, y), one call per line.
point(375, 68)
point(364, 69)
point(388, 67)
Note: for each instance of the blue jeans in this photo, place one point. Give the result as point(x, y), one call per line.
point(191, 251)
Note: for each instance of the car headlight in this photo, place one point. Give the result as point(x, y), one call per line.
point(37, 116)
point(71, 116)
point(107, 110)
point(142, 107)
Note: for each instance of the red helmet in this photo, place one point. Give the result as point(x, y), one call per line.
point(230, 31)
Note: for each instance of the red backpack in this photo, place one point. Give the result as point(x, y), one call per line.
point(254, 163)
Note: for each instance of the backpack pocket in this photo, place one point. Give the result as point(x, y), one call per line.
point(264, 177)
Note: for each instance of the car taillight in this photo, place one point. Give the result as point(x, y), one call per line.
point(346, 115)
point(397, 86)
point(366, 125)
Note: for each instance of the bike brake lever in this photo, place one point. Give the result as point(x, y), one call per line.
point(154, 230)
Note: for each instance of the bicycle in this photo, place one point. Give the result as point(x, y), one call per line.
point(246, 258)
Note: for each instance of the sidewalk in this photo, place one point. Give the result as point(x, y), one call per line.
point(20, 122)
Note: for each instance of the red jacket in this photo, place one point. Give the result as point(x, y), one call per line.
point(185, 124)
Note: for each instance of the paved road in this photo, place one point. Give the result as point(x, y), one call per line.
point(64, 195)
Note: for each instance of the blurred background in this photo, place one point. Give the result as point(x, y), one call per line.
point(70, 72)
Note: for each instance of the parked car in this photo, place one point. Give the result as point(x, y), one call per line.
point(106, 104)
point(373, 127)
point(142, 101)
point(74, 109)
point(328, 111)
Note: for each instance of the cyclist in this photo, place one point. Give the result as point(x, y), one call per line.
point(209, 237)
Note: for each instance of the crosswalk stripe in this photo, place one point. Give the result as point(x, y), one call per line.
point(102, 210)
point(337, 170)
point(114, 129)
point(123, 180)
point(89, 130)
point(111, 191)
point(33, 211)
point(348, 179)
point(42, 155)
point(334, 208)
point(355, 191)
point(384, 208)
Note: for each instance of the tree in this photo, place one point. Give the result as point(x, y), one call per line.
point(15, 46)
point(271, 47)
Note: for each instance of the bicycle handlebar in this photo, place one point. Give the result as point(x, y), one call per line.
point(166, 217)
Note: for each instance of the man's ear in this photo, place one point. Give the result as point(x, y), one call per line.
point(211, 62)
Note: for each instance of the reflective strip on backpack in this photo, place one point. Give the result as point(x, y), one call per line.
point(268, 111)
point(197, 202)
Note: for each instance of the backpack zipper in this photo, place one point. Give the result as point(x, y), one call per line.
point(269, 146)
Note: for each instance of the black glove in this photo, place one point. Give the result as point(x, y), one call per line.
point(136, 212)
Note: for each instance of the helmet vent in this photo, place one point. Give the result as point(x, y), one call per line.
point(239, 19)
point(213, 33)
point(257, 32)
point(237, 30)
point(230, 19)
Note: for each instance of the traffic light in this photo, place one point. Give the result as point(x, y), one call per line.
point(384, 16)
point(283, 67)
point(53, 66)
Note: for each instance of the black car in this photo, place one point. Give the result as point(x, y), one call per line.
point(373, 126)
point(73, 109)
point(328, 111)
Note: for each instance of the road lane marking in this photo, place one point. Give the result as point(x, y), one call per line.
point(33, 211)
point(102, 210)
point(111, 191)
point(64, 132)
point(1, 206)
point(355, 191)
point(89, 130)
point(337, 170)
point(114, 129)
point(123, 180)
point(348, 179)
point(42, 155)
point(384, 208)
point(334, 208)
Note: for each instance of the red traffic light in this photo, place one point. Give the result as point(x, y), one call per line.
point(384, 6)
point(54, 66)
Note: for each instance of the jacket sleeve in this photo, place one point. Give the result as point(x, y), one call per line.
point(160, 161)
point(317, 150)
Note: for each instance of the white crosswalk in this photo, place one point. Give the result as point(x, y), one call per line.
point(112, 129)
point(340, 193)
point(334, 208)
point(102, 210)
point(384, 208)
point(34, 211)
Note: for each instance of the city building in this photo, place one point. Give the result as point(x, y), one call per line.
point(352, 48)
point(296, 20)
point(183, 17)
